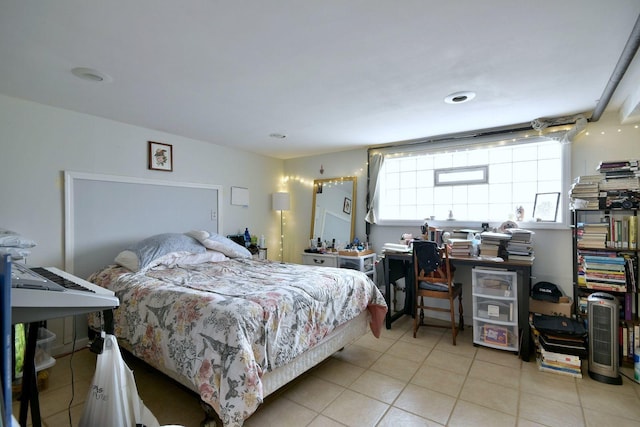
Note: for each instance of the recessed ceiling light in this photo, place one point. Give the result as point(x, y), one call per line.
point(277, 135)
point(91, 75)
point(460, 97)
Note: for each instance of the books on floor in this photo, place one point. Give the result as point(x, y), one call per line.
point(559, 363)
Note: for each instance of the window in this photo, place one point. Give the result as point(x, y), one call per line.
point(479, 182)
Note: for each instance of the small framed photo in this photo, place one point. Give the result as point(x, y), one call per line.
point(160, 156)
point(346, 206)
point(545, 207)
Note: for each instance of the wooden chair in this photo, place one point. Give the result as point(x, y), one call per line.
point(433, 278)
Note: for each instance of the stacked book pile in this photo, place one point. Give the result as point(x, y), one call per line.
point(520, 246)
point(592, 235)
point(396, 247)
point(585, 191)
point(618, 183)
point(561, 343)
point(559, 363)
point(493, 244)
point(605, 272)
point(620, 169)
point(460, 247)
point(621, 182)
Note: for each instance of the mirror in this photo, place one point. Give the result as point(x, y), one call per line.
point(332, 214)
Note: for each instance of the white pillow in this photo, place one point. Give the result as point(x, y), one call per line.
point(146, 253)
point(176, 258)
point(220, 243)
point(15, 241)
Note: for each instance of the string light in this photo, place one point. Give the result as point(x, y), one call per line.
point(308, 182)
point(359, 172)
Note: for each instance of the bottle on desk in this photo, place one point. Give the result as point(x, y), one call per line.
point(247, 237)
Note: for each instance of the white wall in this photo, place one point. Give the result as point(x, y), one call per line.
point(38, 143)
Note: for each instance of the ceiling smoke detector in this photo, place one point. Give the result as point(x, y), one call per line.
point(460, 97)
point(91, 75)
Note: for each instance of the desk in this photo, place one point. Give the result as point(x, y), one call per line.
point(397, 265)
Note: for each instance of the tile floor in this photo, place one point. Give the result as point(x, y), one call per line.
point(392, 381)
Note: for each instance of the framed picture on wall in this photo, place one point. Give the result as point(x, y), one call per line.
point(346, 206)
point(160, 156)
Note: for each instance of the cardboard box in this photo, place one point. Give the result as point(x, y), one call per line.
point(564, 307)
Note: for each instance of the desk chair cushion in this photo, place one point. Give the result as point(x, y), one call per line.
point(440, 287)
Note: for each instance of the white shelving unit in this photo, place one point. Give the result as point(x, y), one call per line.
point(495, 309)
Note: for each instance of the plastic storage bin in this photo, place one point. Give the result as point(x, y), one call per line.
point(495, 309)
point(43, 359)
point(44, 344)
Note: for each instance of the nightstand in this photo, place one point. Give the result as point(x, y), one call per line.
point(364, 261)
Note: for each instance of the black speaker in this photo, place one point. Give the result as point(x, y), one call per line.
point(603, 312)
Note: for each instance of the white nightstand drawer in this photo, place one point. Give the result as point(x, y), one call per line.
point(320, 260)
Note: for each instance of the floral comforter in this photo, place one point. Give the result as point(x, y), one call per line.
point(223, 325)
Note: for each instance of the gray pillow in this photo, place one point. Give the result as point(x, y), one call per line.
point(220, 243)
point(144, 254)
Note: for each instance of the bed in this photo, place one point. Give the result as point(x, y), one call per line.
point(229, 327)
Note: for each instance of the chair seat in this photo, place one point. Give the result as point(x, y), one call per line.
point(433, 278)
point(439, 287)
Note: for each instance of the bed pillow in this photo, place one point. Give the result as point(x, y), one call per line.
point(220, 243)
point(10, 240)
point(146, 253)
point(186, 258)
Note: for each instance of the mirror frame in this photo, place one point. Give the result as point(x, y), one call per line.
point(354, 181)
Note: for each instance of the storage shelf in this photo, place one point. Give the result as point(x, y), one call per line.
point(612, 218)
point(495, 301)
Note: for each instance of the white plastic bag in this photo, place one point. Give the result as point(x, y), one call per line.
point(113, 396)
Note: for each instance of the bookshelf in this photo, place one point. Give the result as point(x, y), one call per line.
point(605, 259)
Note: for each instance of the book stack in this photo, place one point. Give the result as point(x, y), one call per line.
point(585, 191)
point(619, 169)
point(520, 246)
point(460, 247)
point(493, 244)
point(559, 363)
point(604, 272)
point(592, 235)
point(561, 343)
point(621, 181)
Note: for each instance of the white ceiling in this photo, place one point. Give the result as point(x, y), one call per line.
point(330, 75)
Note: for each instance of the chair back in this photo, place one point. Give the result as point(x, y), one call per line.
point(426, 256)
point(431, 263)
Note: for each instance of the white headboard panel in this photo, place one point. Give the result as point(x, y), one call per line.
point(106, 213)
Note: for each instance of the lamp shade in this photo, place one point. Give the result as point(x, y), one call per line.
point(281, 201)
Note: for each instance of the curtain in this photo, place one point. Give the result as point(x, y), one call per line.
point(375, 164)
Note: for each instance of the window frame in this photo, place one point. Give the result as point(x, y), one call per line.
point(563, 220)
point(442, 171)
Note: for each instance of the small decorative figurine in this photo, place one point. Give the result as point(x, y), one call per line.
point(519, 213)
